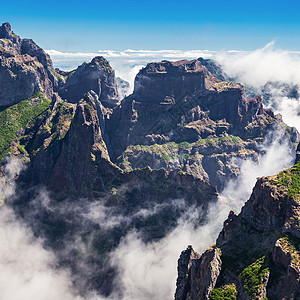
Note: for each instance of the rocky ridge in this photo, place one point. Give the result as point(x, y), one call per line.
point(65, 137)
point(143, 161)
point(182, 116)
point(258, 249)
point(97, 76)
point(25, 68)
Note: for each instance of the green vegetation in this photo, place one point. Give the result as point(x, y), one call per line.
point(252, 277)
point(18, 116)
point(290, 179)
point(292, 245)
point(225, 292)
point(214, 141)
point(22, 149)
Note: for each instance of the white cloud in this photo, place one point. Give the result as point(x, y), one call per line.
point(10, 171)
point(258, 67)
point(148, 271)
point(27, 270)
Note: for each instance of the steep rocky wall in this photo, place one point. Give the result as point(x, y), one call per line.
point(97, 76)
point(25, 68)
point(200, 131)
point(260, 248)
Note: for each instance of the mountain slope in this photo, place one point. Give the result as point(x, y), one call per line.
point(256, 255)
point(180, 116)
point(98, 169)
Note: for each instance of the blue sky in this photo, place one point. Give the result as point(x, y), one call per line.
point(215, 25)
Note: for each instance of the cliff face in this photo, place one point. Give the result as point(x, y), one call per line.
point(97, 76)
point(141, 164)
point(181, 116)
point(83, 184)
point(169, 80)
point(24, 68)
point(259, 247)
point(67, 146)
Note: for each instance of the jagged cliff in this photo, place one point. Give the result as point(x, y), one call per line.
point(62, 134)
point(97, 76)
point(142, 161)
point(25, 68)
point(256, 255)
point(181, 116)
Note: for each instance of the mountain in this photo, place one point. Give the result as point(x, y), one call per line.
point(256, 255)
point(97, 76)
point(97, 168)
point(181, 116)
point(25, 68)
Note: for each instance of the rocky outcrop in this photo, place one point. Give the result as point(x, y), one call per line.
point(68, 148)
point(197, 274)
point(260, 247)
point(184, 266)
point(25, 69)
point(181, 116)
point(159, 82)
point(97, 76)
point(7, 33)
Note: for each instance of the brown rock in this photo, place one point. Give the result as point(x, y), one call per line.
point(205, 273)
point(197, 274)
point(166, 80)
point(24, 68)
point(97, 76)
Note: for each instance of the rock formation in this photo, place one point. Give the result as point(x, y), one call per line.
point(97, 76)
point(259, 247)
point(141, 163)
point(25, 68)
point(181, 116)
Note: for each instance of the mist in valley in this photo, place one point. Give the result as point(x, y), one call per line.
point(148, 270)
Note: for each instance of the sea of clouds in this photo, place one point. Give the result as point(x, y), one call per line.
point(148, 270)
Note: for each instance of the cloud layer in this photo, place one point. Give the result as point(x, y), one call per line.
point(148, 270)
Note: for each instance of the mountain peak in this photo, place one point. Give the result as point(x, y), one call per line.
point(5, 31)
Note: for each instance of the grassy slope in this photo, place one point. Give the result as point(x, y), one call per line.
point(19, 116)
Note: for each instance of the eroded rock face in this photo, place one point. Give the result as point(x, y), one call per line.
point(25, 68)
point(169, 80)
point(97, 76)
point(194, 122)
point(267, 208)
point(205, 274)
point(184, 266)
point(197, 274)
point(75, 167)
point(260, 247)
point(181, 116)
